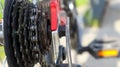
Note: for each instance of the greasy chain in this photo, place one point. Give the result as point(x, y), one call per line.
point(31, 35)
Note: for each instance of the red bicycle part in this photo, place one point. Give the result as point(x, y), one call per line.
point(54, 10)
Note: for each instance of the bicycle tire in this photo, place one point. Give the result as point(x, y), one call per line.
point(8, 46)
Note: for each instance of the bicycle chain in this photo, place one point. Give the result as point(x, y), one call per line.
point(30, 32)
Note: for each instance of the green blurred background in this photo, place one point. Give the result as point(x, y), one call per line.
point(81, 2)
point(89, 21)
point(2, 54)
point(1, 8)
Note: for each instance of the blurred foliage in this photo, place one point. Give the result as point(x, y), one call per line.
point(82, 2)
point(95, 23)
point(1, 8)
point(2, 53)
point(89, 20)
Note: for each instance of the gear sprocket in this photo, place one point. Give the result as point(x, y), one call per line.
point(30, 32)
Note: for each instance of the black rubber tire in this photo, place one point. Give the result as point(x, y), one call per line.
point(12, 62)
